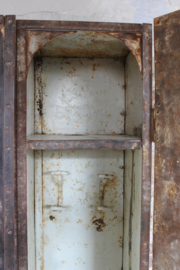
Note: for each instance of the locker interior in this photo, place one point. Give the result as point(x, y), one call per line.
point(87, 84)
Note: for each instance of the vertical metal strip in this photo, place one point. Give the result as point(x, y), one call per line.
point(146, 142)
point(21, 151)
point(8, 141)
point(1, 143)
point(39, 210)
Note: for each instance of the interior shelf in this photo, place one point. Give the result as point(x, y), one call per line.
point(48, 142)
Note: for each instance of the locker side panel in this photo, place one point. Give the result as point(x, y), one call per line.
point(167, 139)
point(1, 140)
point(8, 142)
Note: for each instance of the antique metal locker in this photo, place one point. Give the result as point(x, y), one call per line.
point(76, 131)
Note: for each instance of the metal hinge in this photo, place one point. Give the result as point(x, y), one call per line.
point(153, 125)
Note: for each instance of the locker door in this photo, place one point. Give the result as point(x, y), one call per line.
point(167, 139)
point(79, 209)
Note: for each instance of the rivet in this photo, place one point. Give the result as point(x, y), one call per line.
point(8, 190)
point(159, 104)
point(8, 106)
point(9, 62)
point(8, 148)
point(9, 232)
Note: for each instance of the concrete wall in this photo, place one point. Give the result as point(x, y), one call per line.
point(130, 11)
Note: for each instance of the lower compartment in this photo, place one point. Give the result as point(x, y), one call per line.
point(84, 209)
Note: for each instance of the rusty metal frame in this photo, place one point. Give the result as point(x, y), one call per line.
point(166, 240)
point(7, 142)
point(146, 146)
point(1, 143)
point(123, 32)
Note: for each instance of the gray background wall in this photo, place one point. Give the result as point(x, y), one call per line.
point(130, 11)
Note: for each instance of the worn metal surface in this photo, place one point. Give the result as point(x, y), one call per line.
point(80, 236)
point(71, 94)
point(75, 25)
point(36, 39)
point(45, 142)
point(31, 210)
point(1, 20)
point(84, 44)
point(146, 146)
point(133, 166)
point(133, 41)
point(21, 128)
point(132, 209)
point(9, 56)
point(134, 99)
point(30, 171)
point(21, 151)
point(129, 34)
point(167, 137)
point(1, 143)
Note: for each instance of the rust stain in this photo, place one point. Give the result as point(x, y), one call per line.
point(72, 73)
point(2, 29)
point(137, 131)
point(133, 42)
point(40, 106)
point(51, 217)
point(167, 133)
point(36, 39)
point(99, 223)
point(45, 44)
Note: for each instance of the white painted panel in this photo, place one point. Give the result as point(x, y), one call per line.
point(30, 170)
point(38, 211)
point(30, 209)
point(80, 236)
point(127, 209)
point(30, 100)
point(82, 96)
point(133, 125)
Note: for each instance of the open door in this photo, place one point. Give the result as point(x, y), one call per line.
point(167, 138)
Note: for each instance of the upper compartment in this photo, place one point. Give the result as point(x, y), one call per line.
point(86, 83)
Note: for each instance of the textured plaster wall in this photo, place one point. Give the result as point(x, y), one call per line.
point(130, 11)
